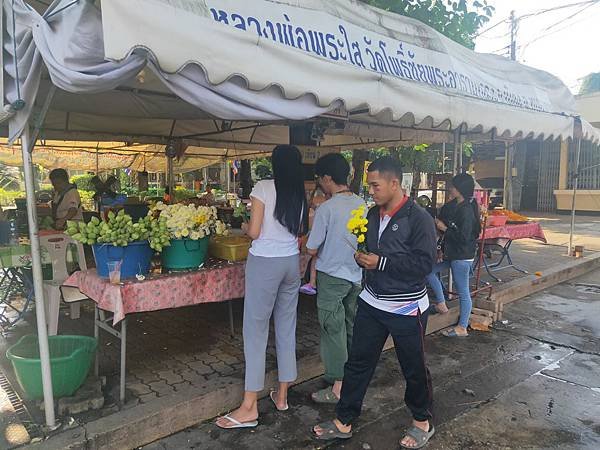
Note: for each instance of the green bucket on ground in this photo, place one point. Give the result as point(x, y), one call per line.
point(185, 254)
point(70, 361)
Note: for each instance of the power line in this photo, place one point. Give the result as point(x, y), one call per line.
point(515, 22)
point(498, 36)
point(570, 17)
point(534, 14)
point(503, 49)
point(491, 28)
point(560, 22)
point(556, 8)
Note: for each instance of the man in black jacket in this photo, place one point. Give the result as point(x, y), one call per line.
point(401, 244)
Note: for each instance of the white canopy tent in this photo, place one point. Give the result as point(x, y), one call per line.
point(237, 75)
point(261, 75)
point(103, 156)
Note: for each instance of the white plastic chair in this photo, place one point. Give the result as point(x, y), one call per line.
point(57, 246)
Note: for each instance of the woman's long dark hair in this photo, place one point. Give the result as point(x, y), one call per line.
point(467, 186)
point(477, 214)
point(291, 208)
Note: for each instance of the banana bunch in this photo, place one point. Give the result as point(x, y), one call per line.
point(119, 230)
point(155, 231)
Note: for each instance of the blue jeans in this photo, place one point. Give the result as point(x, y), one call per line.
point(461, 270)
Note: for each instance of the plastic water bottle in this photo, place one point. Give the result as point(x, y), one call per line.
point(13, 236)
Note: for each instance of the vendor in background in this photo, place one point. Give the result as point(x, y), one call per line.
point(209, 196)
point(66, 203)
point(167, 196)
point(104, 191)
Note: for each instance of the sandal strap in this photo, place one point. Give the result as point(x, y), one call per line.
point(232, 420)
point(418, 435)
point(326, 394)
point(330, 431)
point(329, 427)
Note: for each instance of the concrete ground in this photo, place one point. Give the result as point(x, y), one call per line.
point(175, 352)
point(531, 383)
point(557, 227)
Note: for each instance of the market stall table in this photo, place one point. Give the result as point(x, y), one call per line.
point(216, 281)
point(501, 238)
point(15, 266)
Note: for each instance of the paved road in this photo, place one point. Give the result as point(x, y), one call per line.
point(534, 383)
point(557, 228)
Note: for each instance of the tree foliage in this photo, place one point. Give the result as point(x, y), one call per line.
point(262, 168)
point(458, 20)
point(83, 182)
point(591, 83)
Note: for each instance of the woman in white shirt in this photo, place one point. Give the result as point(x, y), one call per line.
point(66, 203)
point(279, 215)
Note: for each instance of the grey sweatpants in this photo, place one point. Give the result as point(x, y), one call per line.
point(272, 286)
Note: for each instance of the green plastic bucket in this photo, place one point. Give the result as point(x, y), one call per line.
point(185, 254)
point(70, 361)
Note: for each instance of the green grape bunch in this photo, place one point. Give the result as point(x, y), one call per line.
point(120, 230)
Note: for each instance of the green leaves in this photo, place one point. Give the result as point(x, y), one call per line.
point(456, 20)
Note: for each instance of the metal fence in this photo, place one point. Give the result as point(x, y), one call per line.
point(589, 177)
point(548, 175)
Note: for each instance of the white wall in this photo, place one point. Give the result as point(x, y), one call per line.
point(589, 107)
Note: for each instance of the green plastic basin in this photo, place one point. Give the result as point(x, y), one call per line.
point(70, 361)
point(185, 254)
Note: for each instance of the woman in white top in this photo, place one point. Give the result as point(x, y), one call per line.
point(279, 214)
point(66, 203)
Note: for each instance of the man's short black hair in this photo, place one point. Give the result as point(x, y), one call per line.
point(334, 165)
point(387, 165)
point(59, 174)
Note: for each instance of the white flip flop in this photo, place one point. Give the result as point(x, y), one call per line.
point(275, 403)
point(237, 423)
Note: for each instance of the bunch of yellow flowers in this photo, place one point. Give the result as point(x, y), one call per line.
point(357, 225)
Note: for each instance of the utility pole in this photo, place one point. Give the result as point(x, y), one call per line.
point(513, 36)
point(573, 207)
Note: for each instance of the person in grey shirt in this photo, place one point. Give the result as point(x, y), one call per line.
point(338, 275)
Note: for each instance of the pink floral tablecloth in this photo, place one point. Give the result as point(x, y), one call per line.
point(217, 281)
point(530, 230)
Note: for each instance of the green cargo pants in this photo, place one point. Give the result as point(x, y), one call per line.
point(336, 304)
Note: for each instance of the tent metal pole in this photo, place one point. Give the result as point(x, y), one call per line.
point(507, 177)
point(455, 153)
point(170, 178)
point(573, 209)
point(511, 164)
point(460, 151)
point(27, 144)
point(443, 157)
point(227, 174)
point(97, 159)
